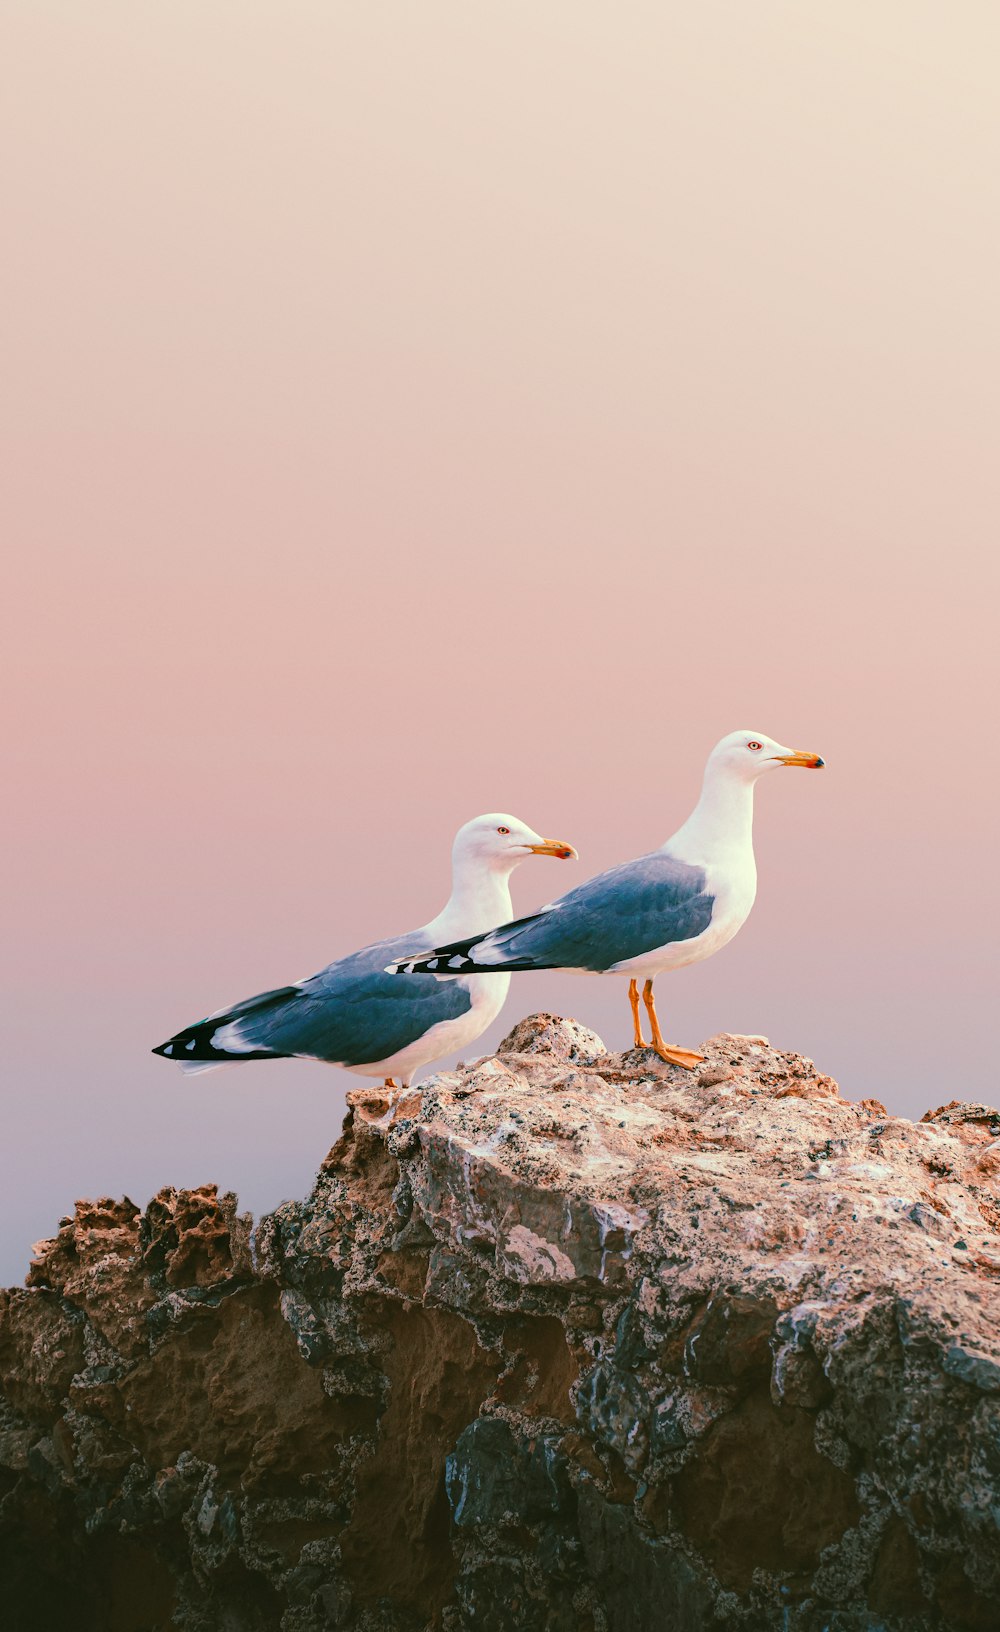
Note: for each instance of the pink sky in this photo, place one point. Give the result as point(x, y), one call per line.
point(417, 410)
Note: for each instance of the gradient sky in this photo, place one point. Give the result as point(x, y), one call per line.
point(413, 410)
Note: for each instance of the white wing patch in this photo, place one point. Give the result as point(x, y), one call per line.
point(232, 1040)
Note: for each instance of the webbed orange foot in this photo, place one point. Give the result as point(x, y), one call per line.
point(676, 1056)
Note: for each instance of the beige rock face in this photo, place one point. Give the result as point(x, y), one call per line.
point(566, 1339)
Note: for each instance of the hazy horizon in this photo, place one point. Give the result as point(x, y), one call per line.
point(412, 412)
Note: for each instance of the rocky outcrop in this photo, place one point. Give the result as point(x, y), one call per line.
point(568, 1339)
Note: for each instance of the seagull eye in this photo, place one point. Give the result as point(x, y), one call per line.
point(503, 829)
point(755, 745)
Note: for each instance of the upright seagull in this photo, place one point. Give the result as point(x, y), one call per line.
point(674, 906)
point(352, 1013)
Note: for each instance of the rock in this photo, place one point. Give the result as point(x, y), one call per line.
point(977, 1369)
point(564, 1339)
point(548, 1034)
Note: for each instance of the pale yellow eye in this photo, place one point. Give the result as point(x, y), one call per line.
point(755, 745)
point(503, 829)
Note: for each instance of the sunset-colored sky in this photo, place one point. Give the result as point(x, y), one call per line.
point(415, 410)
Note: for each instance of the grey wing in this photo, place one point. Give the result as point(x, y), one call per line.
point(352, 1012)
point(619, 914)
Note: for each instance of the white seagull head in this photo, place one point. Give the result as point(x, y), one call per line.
point(746, 755)
point(499, 842)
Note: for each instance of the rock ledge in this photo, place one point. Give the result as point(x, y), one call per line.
point(565, 1339)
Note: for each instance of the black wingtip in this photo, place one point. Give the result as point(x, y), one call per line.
point(436, 963)
point(193, 1046)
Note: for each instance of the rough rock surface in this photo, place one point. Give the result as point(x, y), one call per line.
point(567, 1339)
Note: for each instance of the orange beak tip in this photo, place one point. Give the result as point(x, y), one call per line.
point(811, 762)
point(555, 847)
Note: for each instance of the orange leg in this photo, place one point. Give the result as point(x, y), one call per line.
point(674, 1056)
point(390, 1082)
point(633, 997)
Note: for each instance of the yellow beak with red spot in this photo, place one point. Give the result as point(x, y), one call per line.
point(811, 761)
point(554, 847)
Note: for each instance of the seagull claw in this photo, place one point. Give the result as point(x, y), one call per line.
point(676, 1056)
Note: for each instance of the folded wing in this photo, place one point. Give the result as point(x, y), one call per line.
point(351, 1013)
point(618, 915)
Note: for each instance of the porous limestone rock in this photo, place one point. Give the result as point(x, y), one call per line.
point(564, 1340)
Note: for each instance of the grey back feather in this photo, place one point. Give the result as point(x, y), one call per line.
point(352, 1012)
point(620, 914)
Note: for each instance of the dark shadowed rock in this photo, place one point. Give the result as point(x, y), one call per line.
point(566, 1339)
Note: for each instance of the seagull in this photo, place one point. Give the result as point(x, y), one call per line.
point(674, 906)
point(352, 1014)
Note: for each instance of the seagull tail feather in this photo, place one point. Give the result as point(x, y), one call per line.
point(225, 1037)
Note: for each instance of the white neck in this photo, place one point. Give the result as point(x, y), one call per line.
point(721, 822)
point(479, 900)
